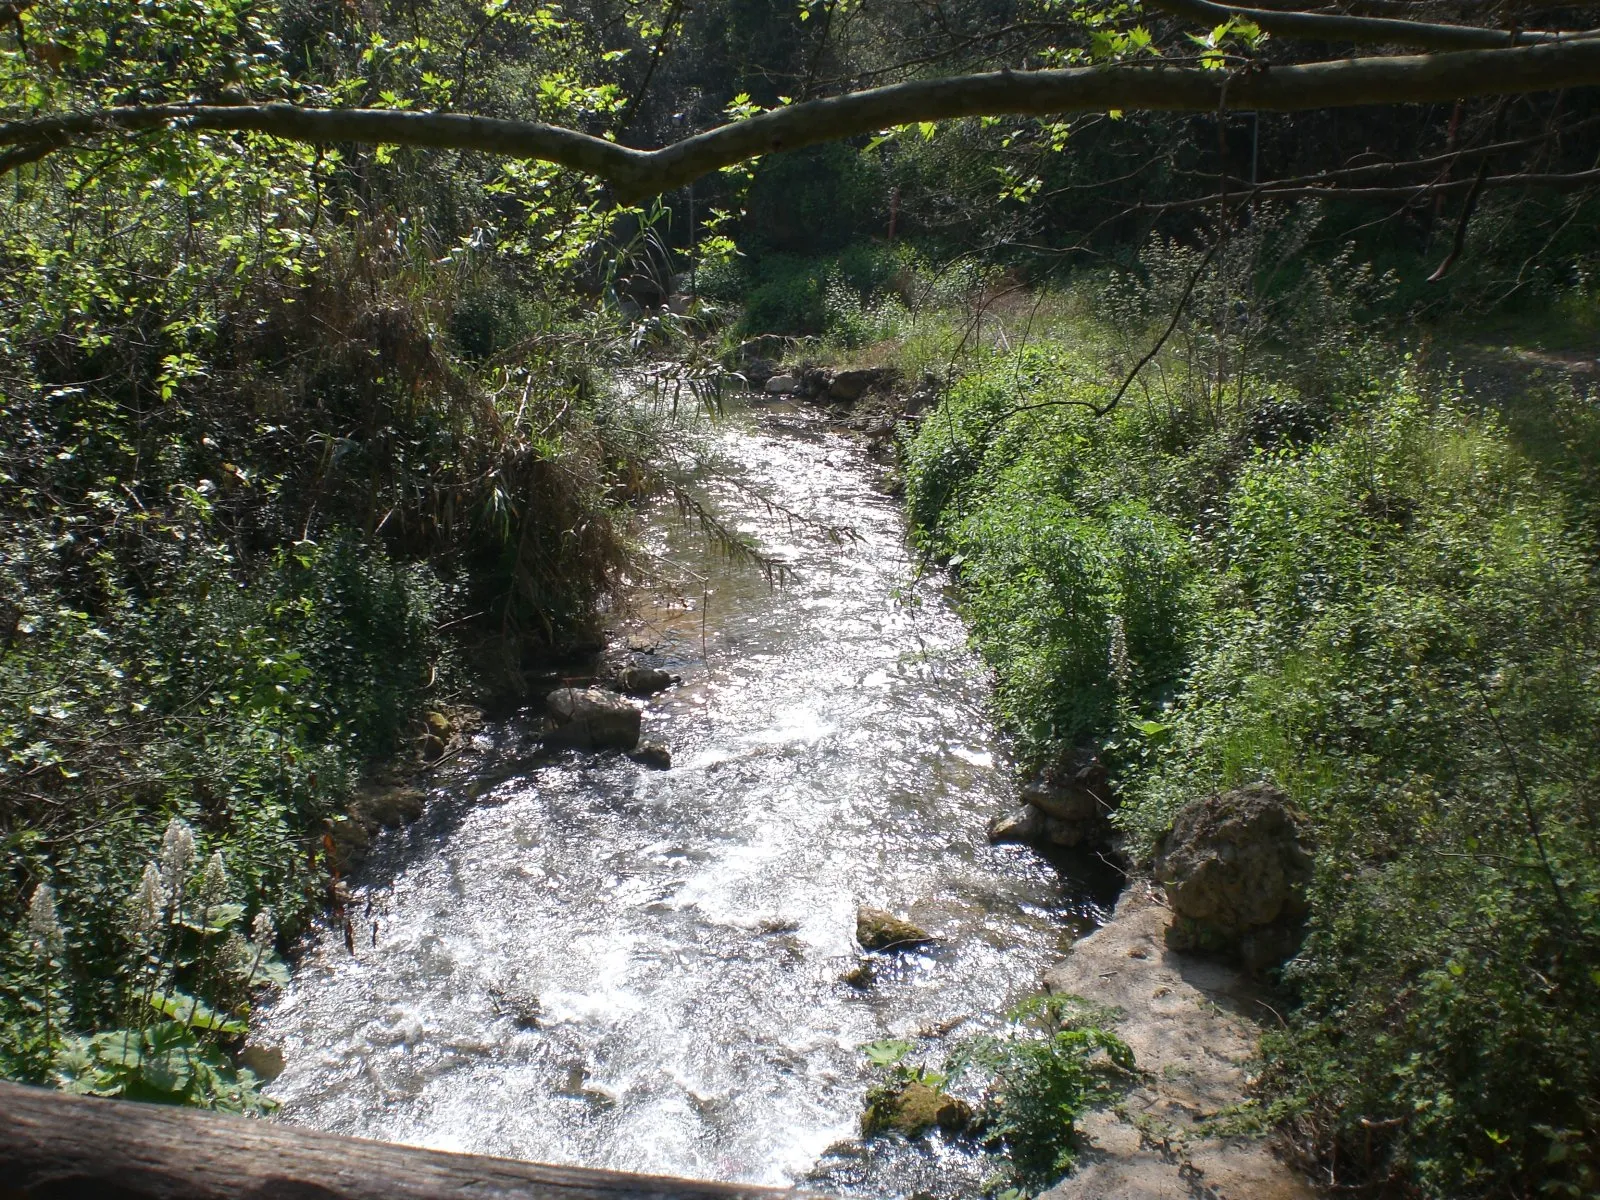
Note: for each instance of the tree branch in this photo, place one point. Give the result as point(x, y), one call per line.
point(1379, 31)
point(636, 174)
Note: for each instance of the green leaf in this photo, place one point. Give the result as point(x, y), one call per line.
point(219, 919)
point(195, 1013)
point(887, 1052)
point(169, 1071)
point(119, 1047)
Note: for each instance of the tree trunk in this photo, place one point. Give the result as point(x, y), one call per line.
point(80, 1148)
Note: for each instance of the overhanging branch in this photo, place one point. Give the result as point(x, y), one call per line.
point(1367, 31)
point(636, 174)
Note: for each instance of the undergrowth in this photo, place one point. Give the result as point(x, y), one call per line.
point(1311, 559)
point(1055, 1061)
point(294, 448)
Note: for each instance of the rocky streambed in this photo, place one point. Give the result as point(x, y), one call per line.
point(654, 934)
point(579, 958)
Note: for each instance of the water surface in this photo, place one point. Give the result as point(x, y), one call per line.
point(578, 960)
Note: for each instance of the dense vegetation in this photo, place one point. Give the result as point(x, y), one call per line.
point(1329, 566)
point(1054, 1061)
point(275, 420)
point(301, 443)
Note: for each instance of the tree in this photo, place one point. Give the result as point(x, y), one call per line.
point(1123, 70)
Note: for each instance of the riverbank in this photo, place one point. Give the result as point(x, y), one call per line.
point(1194, 1025)
point(1344, 577)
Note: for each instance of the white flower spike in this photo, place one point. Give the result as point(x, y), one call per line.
point(43, 922)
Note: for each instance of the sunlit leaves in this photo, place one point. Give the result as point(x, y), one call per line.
point(1214, 45)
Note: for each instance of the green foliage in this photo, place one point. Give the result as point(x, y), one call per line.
point(1054, 1062)
point(273, 416)
point(1406, 638)
point(1341, 578)
point(1039, 1087)
point(172, 937)
point(816, 201)
point(852, 298)
point(1077, 598)
point(166, 1063)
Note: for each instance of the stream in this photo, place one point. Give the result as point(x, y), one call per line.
point(574, 959)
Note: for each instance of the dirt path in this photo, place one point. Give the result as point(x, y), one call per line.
point(1191, 1024)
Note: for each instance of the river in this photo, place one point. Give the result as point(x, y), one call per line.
point(578, 960)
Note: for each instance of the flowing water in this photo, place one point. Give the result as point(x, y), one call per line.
point(574, 959)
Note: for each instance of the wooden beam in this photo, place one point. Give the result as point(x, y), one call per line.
point(63, 1147)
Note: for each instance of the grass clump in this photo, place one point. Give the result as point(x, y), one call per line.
point(1378, 593)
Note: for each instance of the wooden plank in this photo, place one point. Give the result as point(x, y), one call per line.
point(63, 1147)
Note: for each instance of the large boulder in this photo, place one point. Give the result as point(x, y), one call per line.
point(1073, 800)
point(388, 807)
point(592, 719)
point(758, 370)
point(877, 929)
point(1022, 824)
point(1064, 802)
point(1235, 867)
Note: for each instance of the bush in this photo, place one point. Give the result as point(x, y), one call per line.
point(1054, 1062)
point(1077, 599)
point(1406, 640)
point(246, 701)
point(1365, 592)
point(265, 432)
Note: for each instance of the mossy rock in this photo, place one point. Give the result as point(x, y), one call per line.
point(388, 807)
point(350, 840)
point(861, 976)
point(877, 929)
point(912, 1109)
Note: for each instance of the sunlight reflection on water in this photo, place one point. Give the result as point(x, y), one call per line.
point(596, 964)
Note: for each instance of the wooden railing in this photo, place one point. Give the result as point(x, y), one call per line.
point(59, 1147)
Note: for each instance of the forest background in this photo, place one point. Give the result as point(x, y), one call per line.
point(302, 444)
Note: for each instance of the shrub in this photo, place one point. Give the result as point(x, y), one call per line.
point(1406, 641)
point(1055, 1061)
point(1378, 598)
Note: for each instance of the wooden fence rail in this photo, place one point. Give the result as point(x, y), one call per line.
point(59, 1147)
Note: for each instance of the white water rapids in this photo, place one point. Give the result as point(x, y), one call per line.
point(578, 960)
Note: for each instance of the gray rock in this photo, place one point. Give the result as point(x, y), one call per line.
point(388, 807)
point(878, 929)
point(592, 719)
point(1071, 833)
point(781, 385)
point(652, 754)
point(266, 1062)
point(1235, 868)
point(352, 840)
point(1023, 824)
point(758, 370)
point(850, 383)
point(1065, 802)
point(645, 681)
